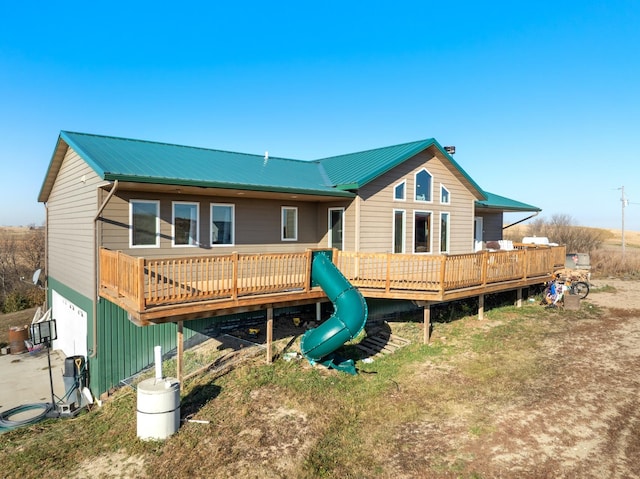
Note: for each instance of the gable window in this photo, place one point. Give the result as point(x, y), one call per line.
point(424, 182)
point(144, 218)
point(185, 224)
point(289, 223)
point(445, 198)
point(422, 232)
point(444, 232)
point(399, 191)
point(222, 224)
point(398, 231)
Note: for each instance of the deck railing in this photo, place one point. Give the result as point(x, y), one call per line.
point(443, 273)
point(155, 282)
point(146, 283)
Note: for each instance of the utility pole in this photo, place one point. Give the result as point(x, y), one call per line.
point(624, 203)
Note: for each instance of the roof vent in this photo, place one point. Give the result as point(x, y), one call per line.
point(450, 149)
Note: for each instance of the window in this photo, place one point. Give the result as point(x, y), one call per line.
point(398, 231)
point(222, 224)
point(423, 185)
point(444, 195)
point(144, 218)
point(185, 224)
point(399, 191)
point(289, 223)
point(422, 232)
point(336, 228)
point(444, 232)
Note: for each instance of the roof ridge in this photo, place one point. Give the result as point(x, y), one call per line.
point(426, 140)
point(164, 143)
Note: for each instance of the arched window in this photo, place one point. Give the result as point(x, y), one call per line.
point(424, 183)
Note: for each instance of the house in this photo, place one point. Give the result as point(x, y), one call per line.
point(161, 201)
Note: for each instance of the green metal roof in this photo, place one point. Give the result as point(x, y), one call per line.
point(354, 170)
point(152, 162)
point(502, 203)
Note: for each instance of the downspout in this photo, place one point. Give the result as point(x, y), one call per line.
point(46, 256)
point(94, 350)
point(357, 232)
point(518, 222)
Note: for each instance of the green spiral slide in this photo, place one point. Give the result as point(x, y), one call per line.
point(346, 322)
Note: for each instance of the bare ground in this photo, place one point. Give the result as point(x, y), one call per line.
point(586, 423)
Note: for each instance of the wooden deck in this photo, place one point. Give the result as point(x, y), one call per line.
point(177, 289)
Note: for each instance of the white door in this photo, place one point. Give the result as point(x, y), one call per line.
point(71, 326)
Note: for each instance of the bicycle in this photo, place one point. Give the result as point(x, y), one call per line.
point(558, 287)
point(580, 288)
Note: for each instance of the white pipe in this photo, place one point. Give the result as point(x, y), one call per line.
point(157, 351)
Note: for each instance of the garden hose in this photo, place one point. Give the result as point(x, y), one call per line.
point(7, 424)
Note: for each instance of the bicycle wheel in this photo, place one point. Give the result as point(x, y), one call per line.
point(581, 289)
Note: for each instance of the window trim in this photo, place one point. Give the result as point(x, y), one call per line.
point(430, 239)
point(415, 186)
point(448, 248)
point(233, 225)
point(282, 225)
point(393, 231)
point(157, 204)
point(173, 224)
point(448, 202)
point(404, 191)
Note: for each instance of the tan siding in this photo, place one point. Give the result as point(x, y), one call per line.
point(71, 208)
point(378, 205)
point(257, 225)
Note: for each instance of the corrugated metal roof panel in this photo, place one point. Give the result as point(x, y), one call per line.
point(354, 170)
point(502, 203)
point(361, 167)
point(146, 161)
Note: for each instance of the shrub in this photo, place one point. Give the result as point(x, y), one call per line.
point(562, 230)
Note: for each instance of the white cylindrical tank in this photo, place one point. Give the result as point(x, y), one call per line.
point(158, 410)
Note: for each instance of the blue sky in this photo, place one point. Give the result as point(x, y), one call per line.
point(540, 98)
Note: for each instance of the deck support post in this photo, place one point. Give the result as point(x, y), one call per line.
point(519, 297)
point(426, 313)
point(269, 335)
point(318, 312)
point(481, 306)
point(180, 353)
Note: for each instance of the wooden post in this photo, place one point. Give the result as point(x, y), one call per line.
point(269, 335)
point(180, 358)
point(481, 306)
point(426, 312)
point(519, 298)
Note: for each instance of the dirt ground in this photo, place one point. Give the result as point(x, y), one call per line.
point(586, 424)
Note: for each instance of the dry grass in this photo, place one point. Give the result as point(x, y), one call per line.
point(13, 319)
point(291, 420)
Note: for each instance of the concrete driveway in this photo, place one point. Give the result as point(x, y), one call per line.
point(24, 378)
